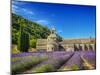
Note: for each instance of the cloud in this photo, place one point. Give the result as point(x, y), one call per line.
point(24, 9)
point(16, 9)
point(60, 31)
point(14, 6)
point(31, 12)
point(44, 22)
point(27, 11)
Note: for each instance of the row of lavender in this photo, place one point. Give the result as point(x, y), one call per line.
point(51, 61)
point(83, 60)
point(24, 61)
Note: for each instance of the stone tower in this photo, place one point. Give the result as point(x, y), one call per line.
point(52, 42)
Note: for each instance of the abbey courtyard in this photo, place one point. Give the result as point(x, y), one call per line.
point(52, 44)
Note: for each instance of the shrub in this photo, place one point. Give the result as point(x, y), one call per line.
point(33, 43)
point(14, 49)
point(23, 43)
point(74, 67)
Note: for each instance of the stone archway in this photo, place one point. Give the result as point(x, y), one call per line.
point(80, 47)
point(90, 47)
point(85, 48)
point(76, 47)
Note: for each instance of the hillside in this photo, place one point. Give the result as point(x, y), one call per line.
point(35, 30)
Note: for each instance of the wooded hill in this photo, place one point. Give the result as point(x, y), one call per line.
point(35, 30)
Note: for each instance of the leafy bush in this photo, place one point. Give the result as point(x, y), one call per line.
point(74, 67)
point(14, 51)
point(33, 43)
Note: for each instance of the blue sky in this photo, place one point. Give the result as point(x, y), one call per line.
point(70, 21)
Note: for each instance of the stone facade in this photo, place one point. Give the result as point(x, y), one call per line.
point(78, 44)
point(41, 44)
point(52, 44)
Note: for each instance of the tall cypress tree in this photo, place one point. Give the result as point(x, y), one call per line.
point(23, 42)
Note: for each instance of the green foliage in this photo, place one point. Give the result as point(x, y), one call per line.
point(15, 51)
point(33, 43)
point(44, 68)
point(74, 67)
point(35, 30)
point(14, 59)
point(59, 38)
point(15, 36)
point(23, 40)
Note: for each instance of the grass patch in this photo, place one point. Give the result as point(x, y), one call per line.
point(74, 67)
point(44, 68)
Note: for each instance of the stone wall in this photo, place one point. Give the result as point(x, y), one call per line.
point(41, 44)
point(86, 40)
point(70, 44)
point(79, 47)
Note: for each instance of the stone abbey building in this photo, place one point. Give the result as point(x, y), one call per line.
point(52, 44)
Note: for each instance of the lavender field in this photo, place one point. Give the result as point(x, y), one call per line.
point(39, 62)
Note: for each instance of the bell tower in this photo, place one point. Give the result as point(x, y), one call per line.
point(52, 42)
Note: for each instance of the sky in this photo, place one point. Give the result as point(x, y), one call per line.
point(70, 21)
